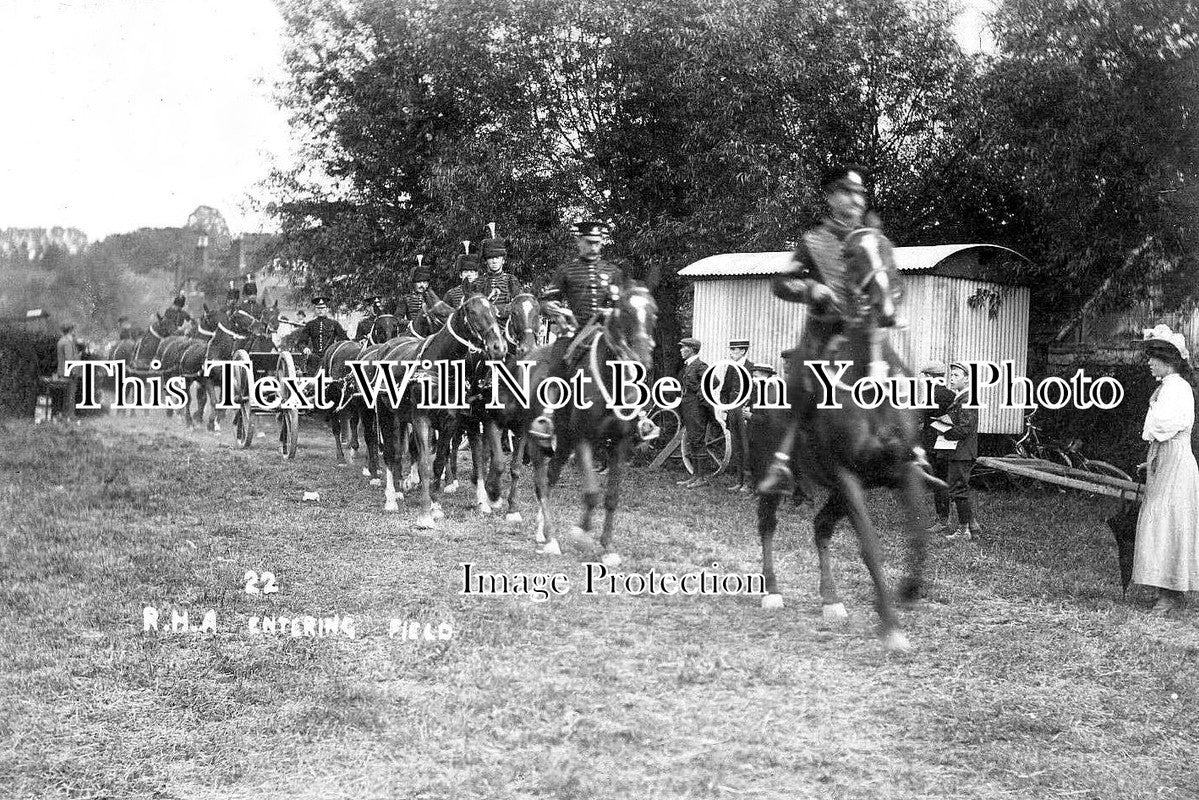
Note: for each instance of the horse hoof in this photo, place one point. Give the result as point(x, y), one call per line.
point(498, 505)
point(771, 602)
point(611, 560)
point(514, 517)
point(366, 473)
point(376, 481)
point(834, 611)
point(551, 548)
point(450, 487)
point(426, 522)
point(391, 507)
point(484, 510)
point(438, 513)
point(896, 641)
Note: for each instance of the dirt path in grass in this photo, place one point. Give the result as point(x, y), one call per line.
point(1031, 677)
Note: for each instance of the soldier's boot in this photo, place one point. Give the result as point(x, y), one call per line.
point(779, 478)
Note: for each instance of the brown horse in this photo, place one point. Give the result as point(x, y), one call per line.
point(470, 329)
point(607, 424)
point(348, 406)
point(852, 449)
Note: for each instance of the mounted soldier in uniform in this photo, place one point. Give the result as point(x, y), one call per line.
point(249, 299)
point(374, 308)
point(231, 298)
point(495, 284)
point(175, 317)
point(420, 298)
point(588, 286)
point(320, 332)
point(468, 273)
point(818, 278)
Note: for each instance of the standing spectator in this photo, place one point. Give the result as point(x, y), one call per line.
point(730, 389)
point(68, 350)
point(942, 397)
point(693, 410)
point(960, 443)
point(1167, 546)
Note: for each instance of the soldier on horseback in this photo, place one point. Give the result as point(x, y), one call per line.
point(588, 286)
point(175, 317)
point(231, 297)
point(318, 334)
point(374, 308)
point(420, 298)
point(468, 272)
point(819, 278)
point(249, 298)
point(495, 284)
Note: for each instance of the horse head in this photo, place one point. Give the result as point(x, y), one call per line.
point(632, 323)
point(873, 277)
point(207, 322)
point(384, 327)
point(475, 322)
point(523, 324)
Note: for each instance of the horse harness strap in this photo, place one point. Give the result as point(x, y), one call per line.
point(597, 375)
point(231, 334)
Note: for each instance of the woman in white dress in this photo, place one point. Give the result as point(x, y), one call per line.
point(1167, 547)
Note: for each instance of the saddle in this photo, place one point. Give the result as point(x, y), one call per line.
point(581, 341)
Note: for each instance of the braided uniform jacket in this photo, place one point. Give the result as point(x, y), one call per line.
point(415, 303)
point(583, 286)
point(818, 258)
point(456, 295)
point(319, 333)
point(504, 285)
point(174, 317)
point(364, 328)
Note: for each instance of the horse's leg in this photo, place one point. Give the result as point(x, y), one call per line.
point(370, 437)
point(352, 420)
point(495, 464)
point(453, 439)
point(911, 588)
point(335, 426)
point(591, 492)
point(541, 487)
point(424, 461)
point(768, 520)
point(855, 502)
point(387, 433)
point(824, 526)
point(410, 449)
point(514, 465)
point(617, 453)
point(478, 462)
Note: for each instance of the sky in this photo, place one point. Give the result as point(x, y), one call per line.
point(125, 114)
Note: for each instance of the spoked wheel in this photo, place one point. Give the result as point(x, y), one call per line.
point(718, 449)
point(244, 416)
point(289, 418)
point(668, 422)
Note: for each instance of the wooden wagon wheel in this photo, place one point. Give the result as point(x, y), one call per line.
point(289, 418)
point(667, 420)
point(718, 449)
point(243, 418)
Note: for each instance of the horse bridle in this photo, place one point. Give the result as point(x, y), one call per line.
point(626, 353)
point(375, 324)
point(508, 335)
point(470, 347)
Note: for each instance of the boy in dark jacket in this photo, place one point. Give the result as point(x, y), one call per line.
point(959, 443)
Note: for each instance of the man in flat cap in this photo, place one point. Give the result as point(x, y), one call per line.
point(580, 293)
point(420, 298)
point(318, 333)
point(468, 273)
point(943, 398)
point(695, 413)
point(495, 284)
point(818, 278)
point(373, 306)
point(730, 389)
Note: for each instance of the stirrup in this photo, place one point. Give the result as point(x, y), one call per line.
point(778, 478)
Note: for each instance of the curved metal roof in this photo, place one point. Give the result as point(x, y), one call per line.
point(907, 259)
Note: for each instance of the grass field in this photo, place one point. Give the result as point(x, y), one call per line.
point(1031, 677)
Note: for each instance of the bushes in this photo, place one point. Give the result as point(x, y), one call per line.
point(24, 358)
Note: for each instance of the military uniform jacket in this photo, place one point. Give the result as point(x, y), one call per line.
point(413, 304)
point(504, 286)
point(364, 328)
point(457, 295)
point(964, 430)
point(583, 286)
point(174, 317)
point(319, 333)
point(818, 257)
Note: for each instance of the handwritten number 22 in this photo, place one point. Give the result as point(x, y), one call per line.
point(268, 583)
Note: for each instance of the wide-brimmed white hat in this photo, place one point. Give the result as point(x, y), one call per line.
point(1162, 333)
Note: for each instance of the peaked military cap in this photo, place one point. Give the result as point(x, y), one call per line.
point(850, 176)
point(320, 301)
point(180, 301)
point(590, 228)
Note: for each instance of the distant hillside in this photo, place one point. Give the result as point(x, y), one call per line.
point(31, 244)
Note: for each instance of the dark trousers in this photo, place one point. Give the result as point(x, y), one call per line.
point(959, 489)
point(739, 432)
point(695, 423)
point(940, 496)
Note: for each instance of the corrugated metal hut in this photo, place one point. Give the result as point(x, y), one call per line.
point(960, 302)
